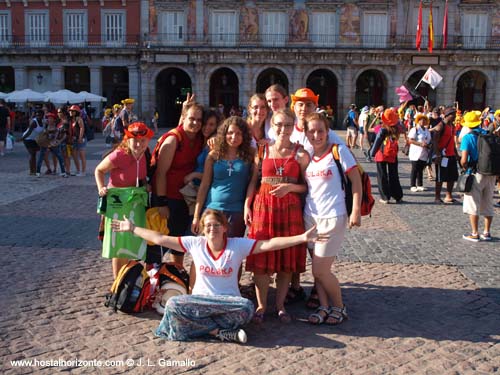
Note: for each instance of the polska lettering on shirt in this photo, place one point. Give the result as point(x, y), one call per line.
point(320, 173)
point(225, 272)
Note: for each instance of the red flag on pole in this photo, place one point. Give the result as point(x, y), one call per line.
point(445, 26)
point(430, 45)
point(419, 27)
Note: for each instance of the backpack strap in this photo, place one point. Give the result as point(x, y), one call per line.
point(336, 158)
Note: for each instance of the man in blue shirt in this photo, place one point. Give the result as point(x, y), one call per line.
point(479, 201)
point(352, 127)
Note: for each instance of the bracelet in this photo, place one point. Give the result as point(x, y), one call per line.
point(132, 227)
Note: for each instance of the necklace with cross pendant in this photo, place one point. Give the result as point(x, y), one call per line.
point(230, 167)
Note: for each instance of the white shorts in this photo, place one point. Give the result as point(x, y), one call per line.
point(352, 132)
point(333, 226)
point(480, 199)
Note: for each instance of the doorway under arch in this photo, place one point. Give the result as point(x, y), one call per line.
point(270, 77)
point(224, 90)
point(471, 91)
point(371, 89)
point(172, 86)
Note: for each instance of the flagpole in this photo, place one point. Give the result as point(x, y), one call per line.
point(419, 82)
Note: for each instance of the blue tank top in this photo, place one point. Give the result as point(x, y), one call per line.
point(229, 185)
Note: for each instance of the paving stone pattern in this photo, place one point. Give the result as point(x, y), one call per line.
point(420, 299)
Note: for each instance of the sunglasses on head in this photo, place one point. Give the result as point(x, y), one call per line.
point(138, 133)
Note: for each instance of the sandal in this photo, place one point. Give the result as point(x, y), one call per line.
point(284, 317)
point(258, 318)
point(450, 201)
point(313, 301)
point(336, 316)
point(295, 295)
point(316, 317)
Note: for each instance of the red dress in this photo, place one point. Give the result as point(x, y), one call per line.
point(277, 217)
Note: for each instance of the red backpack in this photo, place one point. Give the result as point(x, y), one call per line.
point(390, 147)
point(367, 200)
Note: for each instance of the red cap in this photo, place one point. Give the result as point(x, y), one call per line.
point(51, 114)
point(138, 130)
point(74, 107)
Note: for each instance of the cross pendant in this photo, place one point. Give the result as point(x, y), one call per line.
point(279, 171)
point(230, 170)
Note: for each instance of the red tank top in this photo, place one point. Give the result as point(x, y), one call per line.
point(288, 167)
point(183, 163)
point(446, 141)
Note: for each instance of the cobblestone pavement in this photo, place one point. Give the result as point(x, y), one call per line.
point(421, 300)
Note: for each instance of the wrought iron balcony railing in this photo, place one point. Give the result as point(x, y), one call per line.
point(180, 41)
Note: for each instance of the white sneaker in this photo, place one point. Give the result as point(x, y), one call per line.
point(235, 335)
point(414, 188)
point(421, 188)
point(80, 174)
point(37, 174)
point(65, 175)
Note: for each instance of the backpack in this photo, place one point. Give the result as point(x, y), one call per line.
point(488, 147)
point(156, 151)
point(390, 147)
point(367, 200)
point(170, 280)
point(346, 122)
point(130, 291)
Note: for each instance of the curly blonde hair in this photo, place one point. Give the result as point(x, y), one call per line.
point(245, 151)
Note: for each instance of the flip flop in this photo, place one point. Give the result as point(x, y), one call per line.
point(451, 201)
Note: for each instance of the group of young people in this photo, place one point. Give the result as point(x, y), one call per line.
point(61, 132)
point(272, 176)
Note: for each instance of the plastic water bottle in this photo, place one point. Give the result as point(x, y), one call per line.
point(136, 291)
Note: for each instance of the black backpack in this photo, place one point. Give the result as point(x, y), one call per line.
point(488, 147)
point(130, 291)
point(89, 131)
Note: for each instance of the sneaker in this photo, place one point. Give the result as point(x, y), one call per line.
point(421, 188)
point(414, 188)
point(235, 335)
point(37, 174)
point(485, 236)
point(383, 201)
point(80, 174)
point(471, 237)
point(64, 175)
point(72, 174)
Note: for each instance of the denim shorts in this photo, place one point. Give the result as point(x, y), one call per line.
point(80, 146)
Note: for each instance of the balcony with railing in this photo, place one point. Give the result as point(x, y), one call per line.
point(187, 41)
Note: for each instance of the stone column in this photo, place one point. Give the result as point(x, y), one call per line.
point(148, 92)
point(348, 95)
point(201, 84)
point(496, 102)
point(21, 77)
point(133, 85)
point(58, 78)
point(200, 21)
point(446, 91)
point(144, 18)
point(96, 86)
point(246, 85)
point(392, 84)
point(297, 83)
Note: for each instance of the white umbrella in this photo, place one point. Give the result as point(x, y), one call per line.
point(26, 95)
point(89, 97)
point(62, 96)
point(3, 95)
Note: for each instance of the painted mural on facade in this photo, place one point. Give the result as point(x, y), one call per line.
point(350, 23)
point(299, 21)
point(249, 24)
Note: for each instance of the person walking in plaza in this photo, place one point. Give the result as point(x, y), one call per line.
point(215, 308)
point(276, 211)
point(385, 152)
point(5, 125)
point(352, 127)
point(445, 157)
point(363, 124)
point(325, 208)
point(479, 201)
point(64, 129)
point(178, 150)
point(127, 168)
point(29, 139)
point(79, 141)
point(419, 139)
point(126, 114)
point(55, 138)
